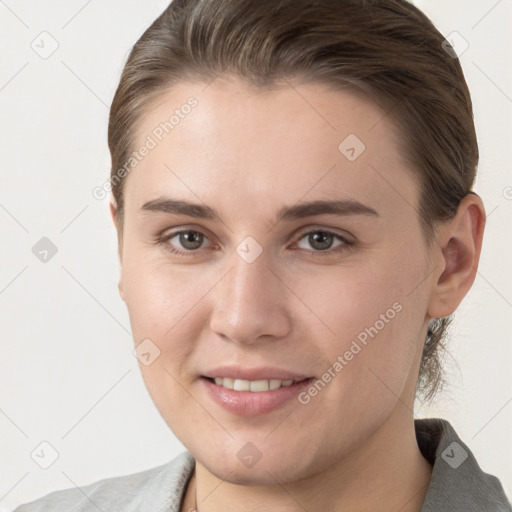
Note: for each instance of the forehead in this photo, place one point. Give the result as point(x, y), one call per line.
point(209, 139)
point(304, 110)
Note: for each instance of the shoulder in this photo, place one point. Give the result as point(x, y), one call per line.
point(457, 482)
point(156, 489)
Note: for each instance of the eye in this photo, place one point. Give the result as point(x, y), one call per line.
point(322, 240)
point(188, 239)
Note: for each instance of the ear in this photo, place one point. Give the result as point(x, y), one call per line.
point(457, 254)
point(113, 214)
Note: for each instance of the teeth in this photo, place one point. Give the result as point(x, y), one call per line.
point(252, 385)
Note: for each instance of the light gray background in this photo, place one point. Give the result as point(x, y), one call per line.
point(67, 372)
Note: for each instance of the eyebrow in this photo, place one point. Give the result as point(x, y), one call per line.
point(287, 213)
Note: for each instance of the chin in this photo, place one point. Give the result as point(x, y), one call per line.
point(264, 473)
point(239, 462)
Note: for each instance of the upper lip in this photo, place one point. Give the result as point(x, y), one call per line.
point(259, 373)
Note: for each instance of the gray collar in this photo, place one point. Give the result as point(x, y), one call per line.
point(457, 482)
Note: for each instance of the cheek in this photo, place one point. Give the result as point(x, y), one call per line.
point(374, 321)
point(158, 296)
point(350, 301)
point(163, 311)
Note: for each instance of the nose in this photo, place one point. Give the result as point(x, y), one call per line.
point(250, 302)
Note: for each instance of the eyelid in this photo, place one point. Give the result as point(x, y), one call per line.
point(345, 236)
point(170, 232)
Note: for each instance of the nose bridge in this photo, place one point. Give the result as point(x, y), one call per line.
point(250, 277)
point(249, 302)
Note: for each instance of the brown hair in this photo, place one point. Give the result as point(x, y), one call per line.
point(386, 49)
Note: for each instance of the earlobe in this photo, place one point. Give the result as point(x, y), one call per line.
point(115, 220)
point(113, 213)
point(120, 288)
point(459, 247)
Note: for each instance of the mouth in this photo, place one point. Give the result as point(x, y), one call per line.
point(254, 397)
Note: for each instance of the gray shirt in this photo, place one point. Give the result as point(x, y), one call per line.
point(457, 482)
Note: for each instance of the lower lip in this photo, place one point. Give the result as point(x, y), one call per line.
point(249, 403)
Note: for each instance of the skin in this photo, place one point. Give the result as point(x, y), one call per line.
point(247, 153)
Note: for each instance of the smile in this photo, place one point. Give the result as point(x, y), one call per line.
point(253, 397)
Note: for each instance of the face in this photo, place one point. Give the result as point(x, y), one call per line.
point(252, 284)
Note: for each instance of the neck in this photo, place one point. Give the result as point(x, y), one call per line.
point(386, 473)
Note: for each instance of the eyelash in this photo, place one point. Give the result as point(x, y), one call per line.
point(347, 245)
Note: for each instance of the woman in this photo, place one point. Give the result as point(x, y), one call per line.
point(292, 195)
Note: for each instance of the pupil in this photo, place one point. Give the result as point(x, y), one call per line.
point(324, 238)
point(187, 239)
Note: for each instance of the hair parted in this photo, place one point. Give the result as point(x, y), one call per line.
point(388, 50)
